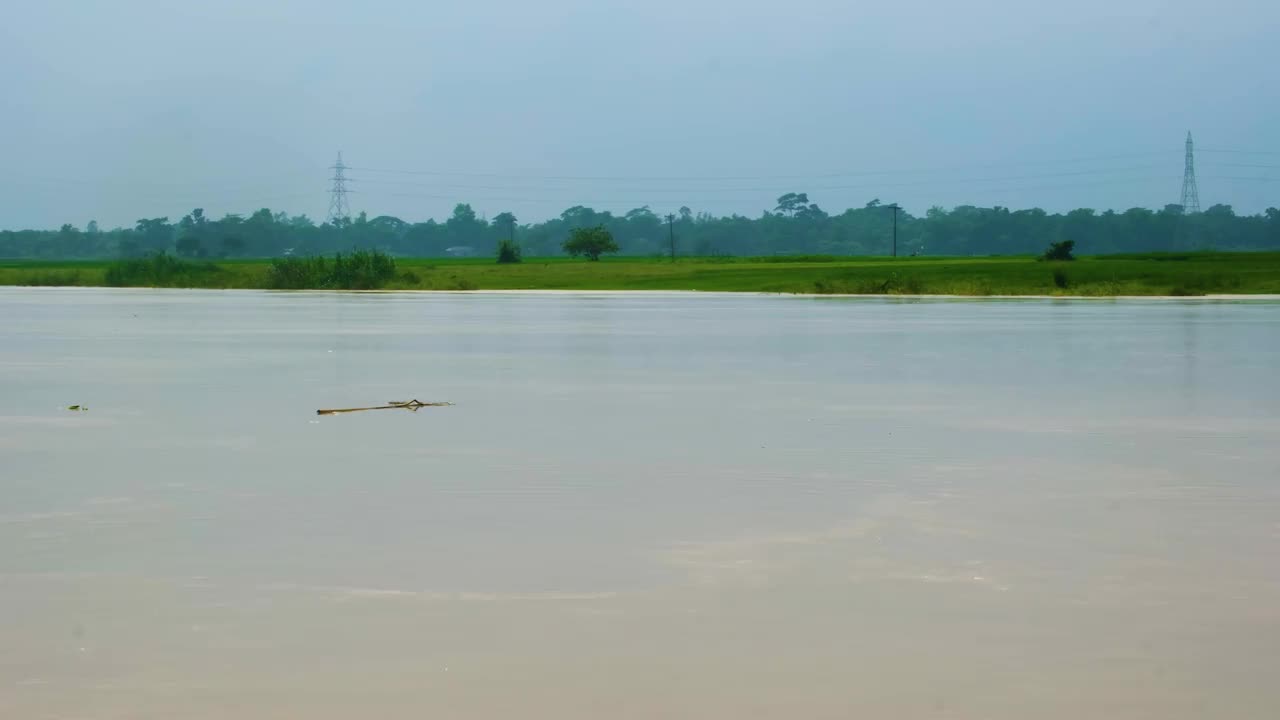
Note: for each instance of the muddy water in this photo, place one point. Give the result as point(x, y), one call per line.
point(640, 506)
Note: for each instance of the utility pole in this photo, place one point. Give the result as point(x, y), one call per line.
point(339, 207)
point(1190, 193)
point(895, 208)
point(671, 233)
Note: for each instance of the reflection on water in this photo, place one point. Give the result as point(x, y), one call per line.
point(640, 506)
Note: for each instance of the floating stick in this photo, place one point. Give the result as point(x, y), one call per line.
point(413, 405)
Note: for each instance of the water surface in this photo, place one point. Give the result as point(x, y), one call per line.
point(641, 506)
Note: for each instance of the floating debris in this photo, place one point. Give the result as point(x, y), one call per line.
point(414, 405)
point(78, 408)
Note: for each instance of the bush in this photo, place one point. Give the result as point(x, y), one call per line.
point(1205, 284)
point(592, 242)
point(159, 270)
point(508, 252)
point(856, 285)
point(797, 259)
point(361, 270)
point(50, 278)
point(1060, 279)
point(1060, 251)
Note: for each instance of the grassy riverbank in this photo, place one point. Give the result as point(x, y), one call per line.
point(1155, 274)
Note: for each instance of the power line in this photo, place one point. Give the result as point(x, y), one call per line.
point(671, 234)
point(895, 208)
point(1240, 152)
point(860, 173)
point(773, 188)
point(632, 202)
point(1242, 165)
point(1249, 179)
point(1070, 186)
point(271, 180)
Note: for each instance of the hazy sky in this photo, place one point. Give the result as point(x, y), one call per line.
point(123, 109)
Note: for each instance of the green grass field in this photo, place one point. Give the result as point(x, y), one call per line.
point(1154, 274)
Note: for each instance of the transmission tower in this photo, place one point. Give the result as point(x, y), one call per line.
point(339, 208)
point(1190, 193)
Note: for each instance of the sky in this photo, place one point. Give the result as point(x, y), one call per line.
point(124, 109)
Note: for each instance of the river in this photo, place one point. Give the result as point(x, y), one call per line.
point(639, 506)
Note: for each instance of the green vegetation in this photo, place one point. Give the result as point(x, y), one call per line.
point(50, 278)
point(1061, 251)
point(795, 226)
point(161, 270)
point(361, 270)
point(1187, 274)
point(591, 242)
point(508, 252)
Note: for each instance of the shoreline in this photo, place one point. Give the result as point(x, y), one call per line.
point(1220, 297)
point(1220, 276)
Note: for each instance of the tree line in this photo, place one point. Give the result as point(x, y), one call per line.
point(795, 226)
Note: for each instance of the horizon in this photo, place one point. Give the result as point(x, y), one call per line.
point(136, 109)
point(617, 211)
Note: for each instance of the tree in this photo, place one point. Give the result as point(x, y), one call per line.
point(579, 216)
point(189, 246)
point(232, 245)
point(792, 203)
point(259, 233)
point(796, 227)
point(1061, 250)
point(427, 238)
point(508, 252)
point(463, 214)
point(506, 223)
point(811, 212)
point(153, 234)
point(464, 227)
point(592, 242)
point(69, 242)
point(191, 233)
point(1270, 228)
